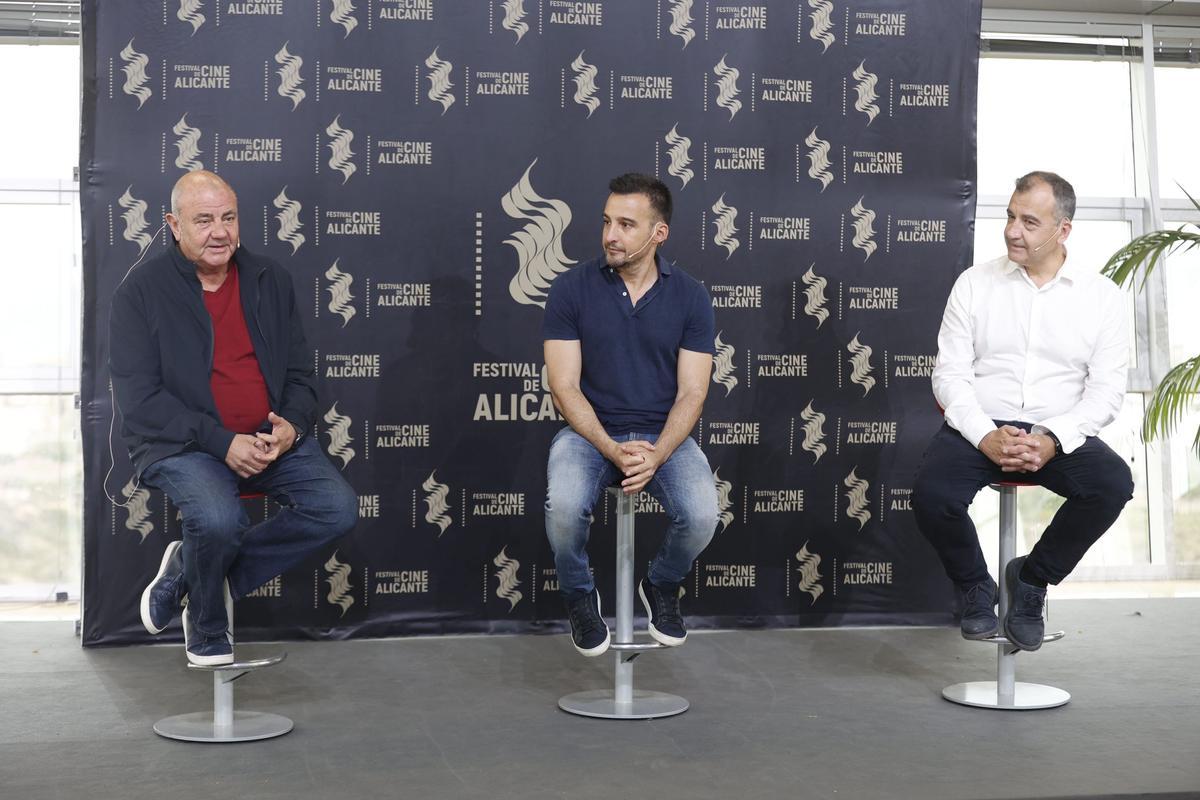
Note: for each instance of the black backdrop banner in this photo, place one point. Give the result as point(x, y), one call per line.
point(424, 169)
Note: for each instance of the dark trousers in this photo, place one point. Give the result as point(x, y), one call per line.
point(1095, 480)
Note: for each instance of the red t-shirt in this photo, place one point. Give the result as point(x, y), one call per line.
point(237, 382)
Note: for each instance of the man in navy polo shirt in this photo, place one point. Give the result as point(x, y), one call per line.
point(628, 348)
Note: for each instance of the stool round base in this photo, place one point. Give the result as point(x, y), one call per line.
point(602, 704)
point(1026, 696)
point(248, 726)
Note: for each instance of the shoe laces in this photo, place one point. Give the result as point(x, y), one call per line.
point(583, 617)
point(979, 595)
point(1034, 601)
point(667, 605)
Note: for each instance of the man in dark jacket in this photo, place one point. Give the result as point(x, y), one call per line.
point(215, 386)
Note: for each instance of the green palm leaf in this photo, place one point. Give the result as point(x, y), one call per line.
point(1172, 400)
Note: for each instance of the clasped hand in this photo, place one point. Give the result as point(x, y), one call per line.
point(249, 455)
point(638, 461)
point(1016, 450)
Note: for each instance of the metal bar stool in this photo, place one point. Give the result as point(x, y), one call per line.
point(1006, 692)
point(624, 702)
point(224, 723)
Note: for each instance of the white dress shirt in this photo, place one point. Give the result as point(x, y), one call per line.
point(1053, 356)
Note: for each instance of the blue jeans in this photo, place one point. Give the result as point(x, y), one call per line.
point(577, 473)
point(318, 506)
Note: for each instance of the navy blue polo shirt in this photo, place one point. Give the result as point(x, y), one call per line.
point(630, 353)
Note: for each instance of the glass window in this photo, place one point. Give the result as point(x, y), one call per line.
point(43, 141)
point(1176, 89)
point(1183, 287)
point(1065, 116)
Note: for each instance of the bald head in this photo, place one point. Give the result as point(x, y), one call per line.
point(196, 181)
point(204, 220)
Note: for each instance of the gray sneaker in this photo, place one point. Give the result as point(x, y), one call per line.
point(1023, 624)
point(979, 620)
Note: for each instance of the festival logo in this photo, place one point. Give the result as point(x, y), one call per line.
point(821, 29)
point(341, 158)
point(137, 511)
point(856, 498)
point(813, 432)
point(678, 149)
point(339, 435)
point(435, 500)
point(864, 230)
point(538, 243)
point(340, 299)
point(338, 578)
point(189, 12)
point(289, 76)
point(860, 365)
point(808, 571)
point(724, 221)
point(135, 74)
point(134, 216)
point(724, 368)
point(864, 87)
point(727, 90)
point(439, 81)
point(289, 220)
point(681, 20)
point(514, 17)
point(506, 578)
point(188, 145)
point(343, 14)
point(814, 296)
point(818, 158)
point(724, 500)
point(585, 84)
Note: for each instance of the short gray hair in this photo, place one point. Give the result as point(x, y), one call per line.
point(1064, 192)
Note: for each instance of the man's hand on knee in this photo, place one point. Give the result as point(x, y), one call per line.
point(641, 461)
point(1006, 447)
point(247, 455)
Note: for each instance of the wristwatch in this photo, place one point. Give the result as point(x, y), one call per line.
point(1058, 451)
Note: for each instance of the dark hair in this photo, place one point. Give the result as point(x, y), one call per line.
point(654, 189)
point(1064, 192)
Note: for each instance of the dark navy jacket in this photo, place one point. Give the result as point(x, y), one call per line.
point(161, 353)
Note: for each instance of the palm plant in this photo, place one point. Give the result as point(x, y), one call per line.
point(1130, 267)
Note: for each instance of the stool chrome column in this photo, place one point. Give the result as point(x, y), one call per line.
point(1006, 692)
point(624, 702)
point(224, 724)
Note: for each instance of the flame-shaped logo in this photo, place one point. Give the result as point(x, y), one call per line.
point(135, 220)
point(814, 432)
point(822, 24)
point(856, 498)
point(681, 20)
point(514, 13)
point(724, 500)
point(814, 296)
point(341, 157)
point(506, 578)
point(189, 11)
point(343, 14)
point(289, 76)
point(864, 229)
point(538, 243)
point(860, 365)
point(339, 292)
point(726, 235)
point(135, 74)
point(289, 220)
point(439, 81)
point(818, 158)
point(188, 145)
point(727, 90)
point(435, 497)
point(679, 147)
point(136, 499)
point(585, 84)
point(810, 577)
point(339, 435)
point(339, 583)
point(724, 370)
point(866, 92)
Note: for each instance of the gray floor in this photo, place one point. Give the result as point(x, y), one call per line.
point(775, 714)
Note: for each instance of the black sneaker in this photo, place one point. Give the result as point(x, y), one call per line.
point(1023, 624)
point(979, 621)
point(209, 651)
point(662, 607)
point(162, 598)
point(588, 631)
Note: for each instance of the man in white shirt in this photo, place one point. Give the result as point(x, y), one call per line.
point(1031, 365)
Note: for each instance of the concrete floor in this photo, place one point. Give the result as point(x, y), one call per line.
point(847, 713)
